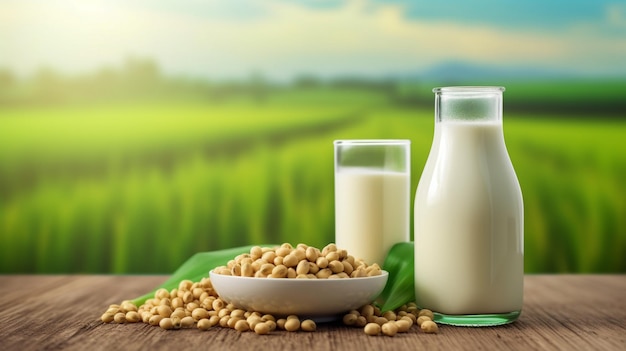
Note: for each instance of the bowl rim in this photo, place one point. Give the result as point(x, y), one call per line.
point(384, 273)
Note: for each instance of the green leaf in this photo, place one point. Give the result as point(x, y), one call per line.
point(197, 267)
point(400, 285)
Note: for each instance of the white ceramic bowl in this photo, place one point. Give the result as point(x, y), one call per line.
point(318, 299)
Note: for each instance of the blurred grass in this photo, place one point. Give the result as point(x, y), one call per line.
point(83, 134)
point(136, 214)
point(572, 177)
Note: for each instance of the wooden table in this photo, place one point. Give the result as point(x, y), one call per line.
point(561, 312)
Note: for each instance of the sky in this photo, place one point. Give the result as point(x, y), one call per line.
point(286, 38)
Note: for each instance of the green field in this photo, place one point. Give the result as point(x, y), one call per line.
point(140, 187)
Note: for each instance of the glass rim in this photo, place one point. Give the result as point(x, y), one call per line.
point(469, 89)
point(372, 142)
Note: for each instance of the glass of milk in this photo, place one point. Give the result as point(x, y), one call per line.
point(469, 218)
point(372, 196)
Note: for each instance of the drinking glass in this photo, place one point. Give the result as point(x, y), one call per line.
point(372, 196)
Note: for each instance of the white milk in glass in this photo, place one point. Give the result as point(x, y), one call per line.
point(371, 211)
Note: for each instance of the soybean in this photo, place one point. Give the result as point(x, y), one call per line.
point(429, 327)
point(389, 328)
point(427, 313)
point(107, 317)
point(166, 323)
point(120, 317)
point(242, 325)
point(262, 328)
point(132, 317)
point(292, 324)
point(372, 329)
point(403, 325)
point(422, 319)
point(308, 325)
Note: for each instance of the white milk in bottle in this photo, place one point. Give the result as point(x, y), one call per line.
point(469, 256)
point(372, 196)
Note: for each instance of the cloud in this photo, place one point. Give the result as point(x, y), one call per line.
point(355, 38)
point(616, 15)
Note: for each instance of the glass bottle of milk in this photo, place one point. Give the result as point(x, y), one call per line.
point(469, 226)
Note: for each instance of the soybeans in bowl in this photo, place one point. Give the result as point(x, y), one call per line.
point(302, 280)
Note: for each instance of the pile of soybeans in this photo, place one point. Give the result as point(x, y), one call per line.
point(197, 304)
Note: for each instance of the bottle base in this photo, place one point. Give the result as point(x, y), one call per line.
point(477, 320)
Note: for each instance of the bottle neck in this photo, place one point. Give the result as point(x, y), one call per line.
point(468, 104)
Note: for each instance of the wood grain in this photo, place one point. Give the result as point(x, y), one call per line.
point(561, 312)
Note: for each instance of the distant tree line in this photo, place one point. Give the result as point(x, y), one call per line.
point(142, 79)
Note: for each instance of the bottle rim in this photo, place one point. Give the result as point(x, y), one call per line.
point(469, 89)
